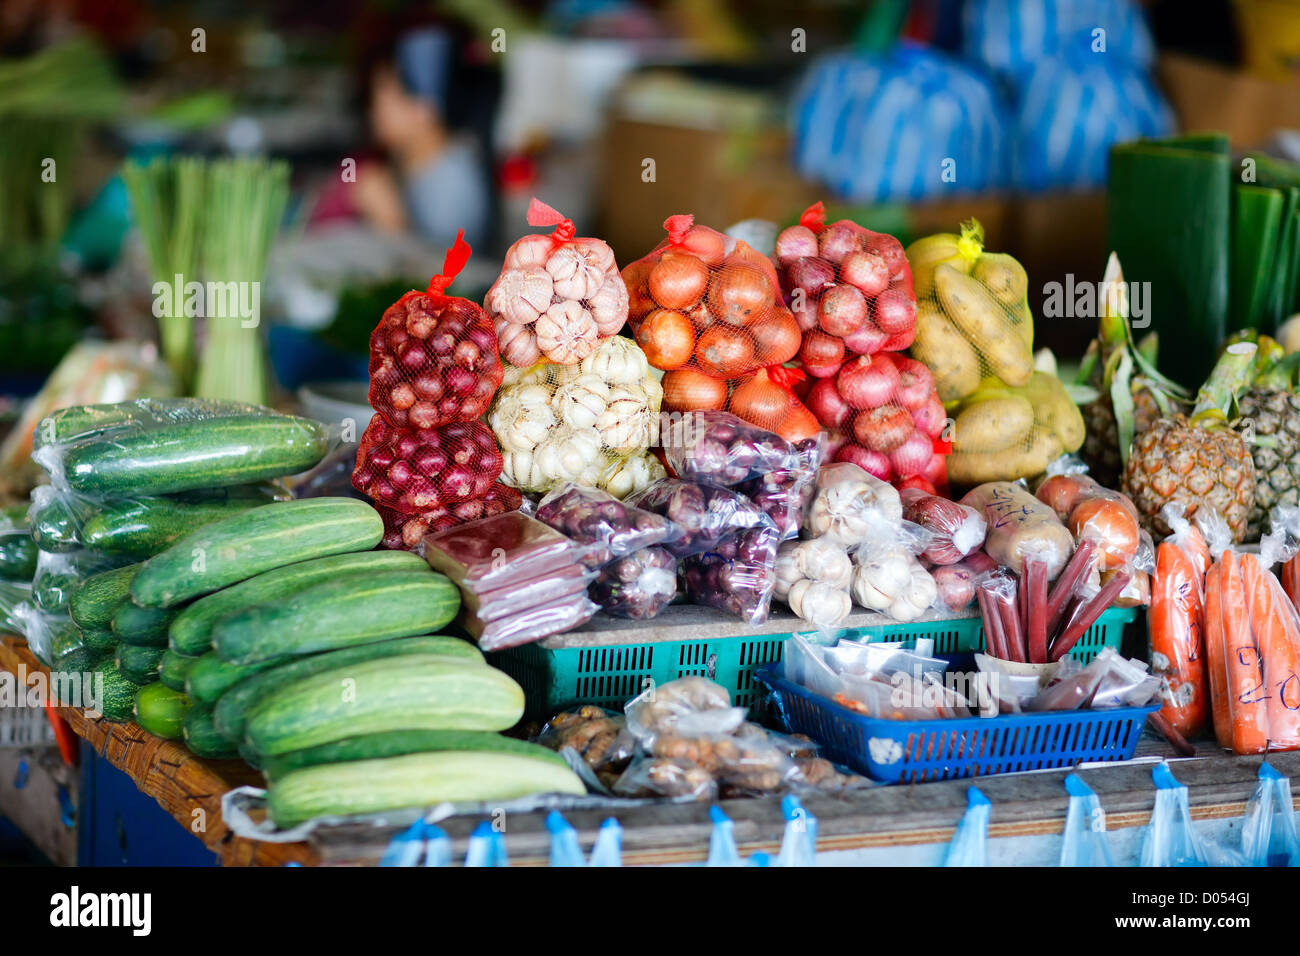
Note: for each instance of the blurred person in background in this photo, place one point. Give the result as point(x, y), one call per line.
point(434, 183)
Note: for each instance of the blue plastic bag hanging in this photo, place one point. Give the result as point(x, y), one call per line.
point(969, 846)
point(1170, 839)
point(1085, 843)
point(420, 844)
point(564, 841)
point(1268, 834)
point(799, 842)
point(487, 847)
point(762, 859)
point(608, 850)
point(722, 841)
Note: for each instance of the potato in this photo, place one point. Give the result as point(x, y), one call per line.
point(946, 352)
point(924, 254)
point(984, 321)
point(1003, 276)
point(1054, 409)
point(993, 424)
point(1022, 320)
point(968, 468)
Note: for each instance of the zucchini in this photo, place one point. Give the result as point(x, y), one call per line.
point(191, 631)
point(395, 743)
point(99, 639)
point(139, 528)
point(235, 450)
point(413, 780)
point(357, 609)
point(235, 704)
point(139, 664)
point(408, 692)
point(78, 661)
point(201, 735)
point(148, 626)
point(243, 545)
point(117, 699)
point(159, 709)
point(173, 669)
point(83, 421)
point(17, 555)
point(93, 604)
point(210, 677)
point(56, 525)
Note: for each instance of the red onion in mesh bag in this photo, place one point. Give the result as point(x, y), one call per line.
point(433, 357)
point(419, 470)
point(403, 532)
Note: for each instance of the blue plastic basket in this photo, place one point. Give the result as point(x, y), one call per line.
point(913, 751)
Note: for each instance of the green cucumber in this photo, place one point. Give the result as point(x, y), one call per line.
point(83, 421)
point(357, 609)
point(234, 450)
point(56, 526)
point(17, 555)
point(159, 709)
point(246, 544)
point(201, 735)
point(235, 704)
point(117, 698)
point(148, 626)
point(413, 780)
point(173, 669)
point(142, 527)
point(93, 604)
point(395, 743)
point(210, 677)
point(191, 631)
point(250, 756)
point(99, 639)
point(78, 661)
point(139, 664)
point(409, 692)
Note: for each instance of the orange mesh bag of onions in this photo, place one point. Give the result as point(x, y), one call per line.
point(433, 357)
point(768, 399)
point(707, 304)
point(849, 289)
point(558, 295)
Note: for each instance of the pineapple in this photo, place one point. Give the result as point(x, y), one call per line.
point(1270, 420)
point(1199, 461)
point(1131, 394)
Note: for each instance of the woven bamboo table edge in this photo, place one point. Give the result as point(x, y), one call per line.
point(187, 787)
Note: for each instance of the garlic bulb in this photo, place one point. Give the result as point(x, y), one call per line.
point(821, 605)
point(522, 417)
point(850, 503)
point(866, 593)
point(609, 305)
point(787, 569)
point(520, 470)
point(618, 361)
point(567, 452)
point(626, 423)
point(521, 295)
point(518, 345)
point(578, 268)
point(531, 250)
point(566, 332)
point(822, 559)
point(627, 476)
point(582, 402)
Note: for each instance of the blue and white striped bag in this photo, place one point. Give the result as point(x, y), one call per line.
point(1010, 36)
point(882, 129)
point(1071, 110)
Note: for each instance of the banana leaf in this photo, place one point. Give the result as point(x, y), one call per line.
point(1276, 306)
point(1170, 215)
point(1256, 225)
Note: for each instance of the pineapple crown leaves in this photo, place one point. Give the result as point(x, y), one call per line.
point(1117, 335)
point(1278, 373)
point(1217, 399)
point(1121, 399)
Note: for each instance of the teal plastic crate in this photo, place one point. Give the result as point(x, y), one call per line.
point(611, 675)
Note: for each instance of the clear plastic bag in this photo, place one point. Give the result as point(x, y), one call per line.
point(969, 846)
point(1100, 514)
point(785, 495)
point(637, 585)
point(1170, 839)
point(597, 519)
point(956, 530)
point(813, 578)
point(579, 423)
point(503, 550)
point(850, 505)
point(529, 624)
point(558, 295)
point(704, 302)
point(433, 357)
point(1085, 842)
point(17, 549)
point(404, 532)
point(888, 578)
point(1020, 526)
point(164, 446)
point(687, 706)
point(1268, 832)
point(705, 513)
point(52, 637)
point(649, 776)
point(599, 737)
point(419, 470)
point(955, 583)
point(59, 575)
point(559, 583)
point(720, 448)
point(738, 575)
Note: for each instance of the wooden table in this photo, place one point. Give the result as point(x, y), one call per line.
point(187, 787)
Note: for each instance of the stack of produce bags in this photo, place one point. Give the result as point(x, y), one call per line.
point(578, 403)
point(850, 291)
point(127, 481)
point(425, 459)
point(974, 330)
point(520, 579)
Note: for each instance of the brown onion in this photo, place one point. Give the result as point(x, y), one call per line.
point(686, 390)
point(677, 280)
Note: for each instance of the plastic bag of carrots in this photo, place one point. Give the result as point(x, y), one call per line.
point(1176, 625)
point(1252, 638)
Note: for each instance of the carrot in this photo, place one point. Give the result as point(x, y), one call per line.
point(1246, 690)
point(1176, 623)
point(1273, 624)
point(1193, 543)
point(1216, 656)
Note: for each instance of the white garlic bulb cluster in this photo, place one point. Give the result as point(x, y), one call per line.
point(850, 503)
point(890, 579)
point(813, 577)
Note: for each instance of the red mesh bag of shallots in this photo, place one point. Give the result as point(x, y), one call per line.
point(433, 357)
point(849, 289)
point(558, 295)
point(702, 302)
point(418, 469)
point(403, 532)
